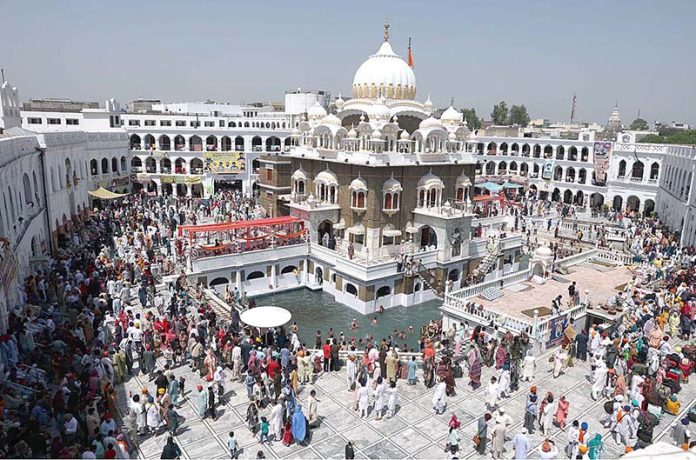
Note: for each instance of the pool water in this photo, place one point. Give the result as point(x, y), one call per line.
point(314, 310)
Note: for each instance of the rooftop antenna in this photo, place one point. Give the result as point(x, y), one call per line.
point(572, 110)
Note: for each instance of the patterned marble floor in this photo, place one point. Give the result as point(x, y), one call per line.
point(414, 432)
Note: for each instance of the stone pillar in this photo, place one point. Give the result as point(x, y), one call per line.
point(273, 276)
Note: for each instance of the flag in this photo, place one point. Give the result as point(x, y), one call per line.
point(410, 55)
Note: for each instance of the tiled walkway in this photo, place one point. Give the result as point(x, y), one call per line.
point(414, 432)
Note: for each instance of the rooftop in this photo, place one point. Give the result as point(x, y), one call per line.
point(601, 282)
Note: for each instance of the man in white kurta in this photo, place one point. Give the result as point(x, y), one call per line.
point(363, 397)
point(276, 420)
point(440, 397)
point(379, 398)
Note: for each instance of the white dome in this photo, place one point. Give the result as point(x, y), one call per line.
point(379, 111)
point(331, 119)
point(327, 177)
point(392, 185)
point(376, 134)
point(452, 137)
point(385, 73)
point(428, 105)
point(451, 116)
point(340, 102)
point(543, 252)
point(430, 180)
point(316, 112)
point(352, 134)
point(430, 122)
point(358, 184)
point(405, 136)
point(299, 174)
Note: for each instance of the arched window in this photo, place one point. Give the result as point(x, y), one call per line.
point(104, 166)
point(92, 167)
point(114, 164)
point(358, 199)
point(637, 170)
point(124, 165)
point(622, 168)
point(27, 189)
point(387, 201)
point(460, 194)
point(654, 171)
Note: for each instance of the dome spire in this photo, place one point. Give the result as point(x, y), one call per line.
point(386, 30)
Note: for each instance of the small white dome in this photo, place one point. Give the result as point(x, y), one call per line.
point(380, 111)
point(405, 136)
point(352, 134)
point(543, 252)
point(326, 176)
point(316, 112)
point(331, 119)
point(376, 134)
point(299, 174)
point(430, 122)
point(451, 116)
point(340, 102)
point(392, 185)
point(358, 184)
point(452, 137)
point(428, 104)
point(463, 180)
point(430, 180)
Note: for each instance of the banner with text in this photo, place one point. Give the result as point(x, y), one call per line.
point(224, 162)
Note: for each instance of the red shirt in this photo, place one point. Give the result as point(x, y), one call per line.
point(327, 350)
point(272, 368)
point(110, 453)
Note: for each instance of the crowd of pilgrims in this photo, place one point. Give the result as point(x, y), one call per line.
point(634, 366)
point(93, 318)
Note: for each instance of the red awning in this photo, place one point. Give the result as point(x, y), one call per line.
point(241, 224)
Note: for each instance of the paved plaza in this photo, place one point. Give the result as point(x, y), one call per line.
point(414, 432)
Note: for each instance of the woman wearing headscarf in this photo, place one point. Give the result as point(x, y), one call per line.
point(201, 399)
point(299, 425)
point(595, 447)
point(474, 361)
point(562, 412)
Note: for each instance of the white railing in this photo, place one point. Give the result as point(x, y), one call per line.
point(577, 258)
point(468, 292)
point(610, 256)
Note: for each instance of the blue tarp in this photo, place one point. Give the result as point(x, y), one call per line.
point(512, 185)
point(491, 186)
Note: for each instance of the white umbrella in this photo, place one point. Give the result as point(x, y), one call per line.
point(266, 317)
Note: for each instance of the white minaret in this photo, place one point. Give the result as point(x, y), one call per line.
point(9, 106)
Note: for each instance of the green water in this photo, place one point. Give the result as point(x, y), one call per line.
point(317, 310)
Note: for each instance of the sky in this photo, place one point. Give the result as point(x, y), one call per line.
point(534, 52)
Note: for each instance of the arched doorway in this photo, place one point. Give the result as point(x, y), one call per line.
point(318, 275)
point(617, 203)
point(325, 228)
point(453, 275)
point(633, 203)
point(383, 292)
point(427, 237)
point(556, 195)
point(579, 198)
point(649, 208)
point(181, 189)
point(220, 281)
point(596, 200)
point(568, 197)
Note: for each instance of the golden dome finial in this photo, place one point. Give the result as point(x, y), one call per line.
point(386, 30)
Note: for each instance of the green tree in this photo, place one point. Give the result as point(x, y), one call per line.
point(671, 136)
point(500, 113)
point(472, 120)
point(518, 115)
point(639, 124)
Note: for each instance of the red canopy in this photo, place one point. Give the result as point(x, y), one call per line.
point(241, 224)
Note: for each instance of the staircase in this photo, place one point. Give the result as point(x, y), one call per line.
point(486, 264)
point(423, 274)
